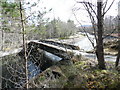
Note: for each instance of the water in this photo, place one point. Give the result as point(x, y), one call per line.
point(85, 45)
point(33, 70)
point(93, 56)
point(53, 57)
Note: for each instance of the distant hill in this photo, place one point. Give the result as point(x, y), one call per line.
point(87, 25)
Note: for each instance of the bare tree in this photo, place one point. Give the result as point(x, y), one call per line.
point(97, 18)
point(24, 44)
point(118, 56)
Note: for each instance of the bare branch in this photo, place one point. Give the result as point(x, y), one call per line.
point(84, 31)
point(10, 81)
point(87, 3)
point(109, 34)
point(105, 5)
point(92, 20)
point(90, 6)
point(92, 9)
point(104, 12)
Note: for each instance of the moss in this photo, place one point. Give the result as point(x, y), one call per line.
point(103, 79)
point(95, 78)
point(81, 63)
point(42, 78)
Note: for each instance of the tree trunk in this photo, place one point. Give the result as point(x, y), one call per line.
point(2, 47)
point(99, 50)
point(118, 56)
point(24, 45)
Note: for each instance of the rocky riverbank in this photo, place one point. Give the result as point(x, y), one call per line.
point(70, 40)
point(110, 48)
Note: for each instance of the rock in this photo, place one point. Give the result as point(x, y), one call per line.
point(111, 47)
point(50, 78)
point(56, 76)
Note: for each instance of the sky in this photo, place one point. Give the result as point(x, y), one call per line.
point(63, 10)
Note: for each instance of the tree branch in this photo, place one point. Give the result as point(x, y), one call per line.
point(105, 5)
point(84, 31)
point(92, 20)
point(109, 34)
point(104, 12)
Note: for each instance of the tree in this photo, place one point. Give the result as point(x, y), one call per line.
point(97, 19)
point(37, 22)
point(118, 56)
point(24, 44)
point(109, 25)
point(15, 70)
point(9, 21)
point(59, 29)
point(99, 49)
point(10, 16)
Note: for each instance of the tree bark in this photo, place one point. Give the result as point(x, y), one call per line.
point(99, 50)
point(118, 56)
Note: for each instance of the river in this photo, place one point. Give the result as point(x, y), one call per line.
point(85, 45)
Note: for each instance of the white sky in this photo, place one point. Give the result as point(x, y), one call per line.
point(63, 10)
